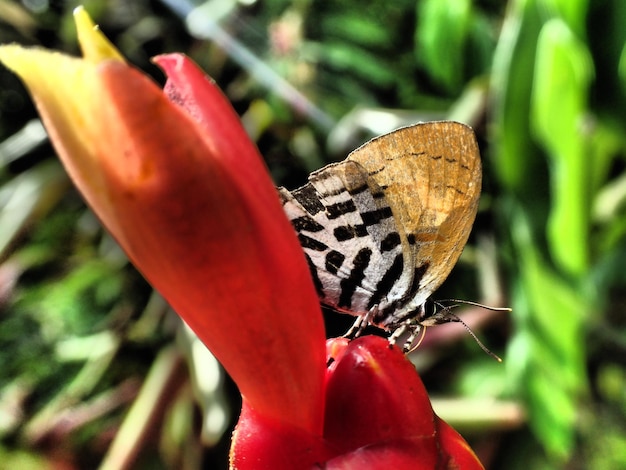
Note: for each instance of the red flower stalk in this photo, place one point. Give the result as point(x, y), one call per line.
point(174, 178)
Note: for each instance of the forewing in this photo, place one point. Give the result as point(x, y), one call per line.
point(431, 176)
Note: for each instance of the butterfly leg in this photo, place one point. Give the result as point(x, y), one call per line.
point(412, 327)
point(356, 329)
point(360, 324)
point(397, 333)
point(408, 345)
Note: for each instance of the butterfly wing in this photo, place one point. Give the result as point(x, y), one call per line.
point(349, 236)
point(430, 174)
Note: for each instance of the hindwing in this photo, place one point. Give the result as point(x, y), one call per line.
point(349, 236)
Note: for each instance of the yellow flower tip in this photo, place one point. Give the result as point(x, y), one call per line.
point(95, 46)
point(10, 55)
point(25, 61)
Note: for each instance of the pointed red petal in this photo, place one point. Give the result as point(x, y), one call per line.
point(218, 248)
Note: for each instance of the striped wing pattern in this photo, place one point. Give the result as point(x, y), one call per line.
point(350, 238)
point(383, 229)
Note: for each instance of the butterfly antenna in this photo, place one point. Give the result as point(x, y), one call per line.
point(469, 330)
point(455, 318)
point(475, 304)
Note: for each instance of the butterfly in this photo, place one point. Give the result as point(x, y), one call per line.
point(382, 229)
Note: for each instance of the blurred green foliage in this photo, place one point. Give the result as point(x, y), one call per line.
point(543, 82)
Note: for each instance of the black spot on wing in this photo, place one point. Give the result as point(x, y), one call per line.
point(334, 211)
point(390, 242)
point(357, 274)
point(333, 261)
point(347, 232)
point(386, 282)
point(306, 224)
point(309, 199)
point(311, 243)
point(375, 216)
point(417, 279)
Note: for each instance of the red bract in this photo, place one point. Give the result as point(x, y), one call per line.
point(378, 416)
point(174, 178)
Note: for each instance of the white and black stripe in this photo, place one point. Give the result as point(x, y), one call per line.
point(350, 238)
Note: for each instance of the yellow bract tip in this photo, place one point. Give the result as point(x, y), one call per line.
point(95, 46)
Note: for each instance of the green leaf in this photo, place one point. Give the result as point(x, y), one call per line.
point(515, 157)
point(358, 62)
point(621, 70)
point(357, 29)
point(551, 322)
point(440, 39)
point(573, 12)
point(563, 73)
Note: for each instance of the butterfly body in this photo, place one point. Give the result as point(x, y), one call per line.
point(382, 229)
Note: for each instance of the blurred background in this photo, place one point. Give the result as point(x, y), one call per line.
point(97, 372)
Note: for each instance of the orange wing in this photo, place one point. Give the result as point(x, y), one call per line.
point(431, 176)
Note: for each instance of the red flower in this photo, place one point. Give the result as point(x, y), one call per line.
point(174, 178)
point(377, 416)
